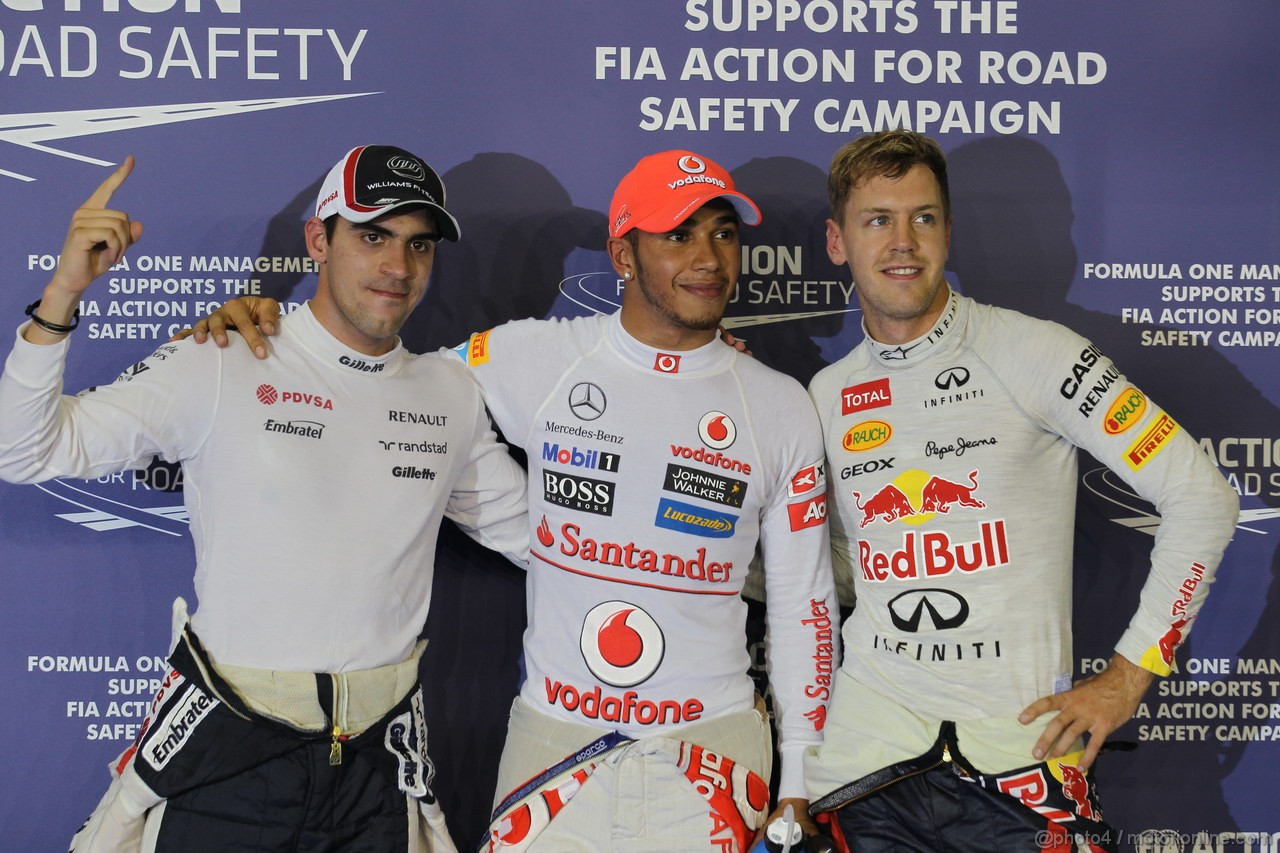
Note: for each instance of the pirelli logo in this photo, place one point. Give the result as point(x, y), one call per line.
point(478, 349)
point(1151, 442)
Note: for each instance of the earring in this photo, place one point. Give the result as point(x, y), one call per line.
point(628, 275)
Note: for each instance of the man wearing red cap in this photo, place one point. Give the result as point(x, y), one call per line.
point(291, 716)
point(659, 459)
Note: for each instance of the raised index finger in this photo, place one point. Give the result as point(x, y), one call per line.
point(108, 188)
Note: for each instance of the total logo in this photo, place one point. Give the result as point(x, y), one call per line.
point(621, 643)
point(269, 396)
point(717, 430)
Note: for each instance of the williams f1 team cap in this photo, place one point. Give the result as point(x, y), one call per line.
point(375, 179)
point(665, 189)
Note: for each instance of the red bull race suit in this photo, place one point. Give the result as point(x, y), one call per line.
point(952, 469)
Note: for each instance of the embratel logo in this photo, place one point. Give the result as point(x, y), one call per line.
point(269, 396)
point(666, 363)
point(717, 430)
point(686, 518)
point(868, 395)
point(1126, 411)
point(301, 429)
point(587, 401)
point(866, 436)
point(622, 644)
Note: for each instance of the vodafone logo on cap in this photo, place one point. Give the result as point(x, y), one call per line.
point(621, 643)
point(717, 430)
point(691, 165)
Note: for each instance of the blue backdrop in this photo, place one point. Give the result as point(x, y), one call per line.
point(1113, 168)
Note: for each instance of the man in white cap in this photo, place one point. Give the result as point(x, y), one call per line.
point(291, 717)
point(659, 459)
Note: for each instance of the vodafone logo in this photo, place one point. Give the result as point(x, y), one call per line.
point(691, 165)
point(621, 643)
point(717, 431)
point(267, 395)
point(666, 363)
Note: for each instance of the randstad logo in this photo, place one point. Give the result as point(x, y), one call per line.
point(686, 518)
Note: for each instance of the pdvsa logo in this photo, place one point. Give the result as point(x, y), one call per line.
point(866, 436)
point(717, 430)
point(621, 644)
point(268, 396)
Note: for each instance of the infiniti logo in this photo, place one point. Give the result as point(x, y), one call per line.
point(946, 609)
point(586, 401)
point(952, 377)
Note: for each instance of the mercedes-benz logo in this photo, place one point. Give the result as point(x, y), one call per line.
point(952, 377)
point(946, 609)
point(586, 401)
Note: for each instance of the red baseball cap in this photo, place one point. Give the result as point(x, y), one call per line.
point(665, 189)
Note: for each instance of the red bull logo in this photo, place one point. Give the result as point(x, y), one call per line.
point(1075, 787)
point(936, 554)
point(940, 495)
point(1171, 640)
point(936, 495)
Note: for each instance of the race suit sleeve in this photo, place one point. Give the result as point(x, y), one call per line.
point(489, 501)
point(160, 406)
point(1077, 392)
point(803, 616)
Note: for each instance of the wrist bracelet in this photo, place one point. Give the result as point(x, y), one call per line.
point(54, 328)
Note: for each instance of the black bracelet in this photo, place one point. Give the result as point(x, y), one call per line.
point(55, 328)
